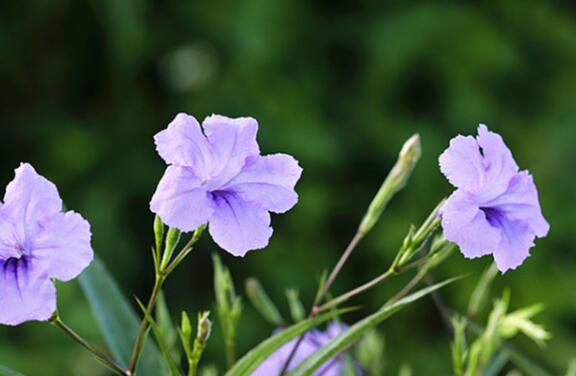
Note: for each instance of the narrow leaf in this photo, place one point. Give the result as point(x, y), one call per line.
point(4, 371)
point(257, 355)
point(347, 338)
point(117, 320)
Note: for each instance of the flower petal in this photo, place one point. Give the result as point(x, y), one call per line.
point(233, 141)
point(239, 226)
point(514, 247)
point(183, 144)
point(63, 245)
point(520, 203)
point(498, 162)
point(270, 181)
point(462, 165)
point(181, 201)
point(28, 200)
point(466, 225)
point(26, 294)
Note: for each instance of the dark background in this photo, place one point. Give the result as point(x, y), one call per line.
point(84, 85)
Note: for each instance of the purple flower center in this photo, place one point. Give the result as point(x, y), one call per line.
point(493, 216)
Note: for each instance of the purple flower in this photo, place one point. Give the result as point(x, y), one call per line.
point(220, 177)
point(37, 242)
point(313, 341)
point(495, 208)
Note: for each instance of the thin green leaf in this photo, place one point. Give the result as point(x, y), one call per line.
point(261, 352)
point(346, 339)
point(160, 338)
point(4, 371)
point(117, 320)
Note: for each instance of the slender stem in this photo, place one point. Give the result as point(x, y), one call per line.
point(144, 325)
point(320, 297)
point(338, 267)
point(161, 276)
point(230, 354)
point(344, 297)
point(368, 285)
point(104, 358)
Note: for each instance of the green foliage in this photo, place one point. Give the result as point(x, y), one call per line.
point(117, 321)
point(228, 306)
point(262, 302)
point(4, 371)
point(254, 357)
point(356, 331)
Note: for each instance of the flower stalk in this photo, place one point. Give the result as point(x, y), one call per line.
point(101, 356)
point(163, 270)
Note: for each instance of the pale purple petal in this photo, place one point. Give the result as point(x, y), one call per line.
point(26, 292)
point(520, 203)
point(239, 226)
point(63, 245)
point(183, 144)
point(499, 165)
point(462, 164)
point(181, 200)
point(514, 247)
point(312, 342)
point(466, 225)
point(269, 181)
point(233, 141)
point(28, 200)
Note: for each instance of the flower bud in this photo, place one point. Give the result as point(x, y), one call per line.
point(172, 240)
point(204, 327)
point(158, 232)
point(395, 181)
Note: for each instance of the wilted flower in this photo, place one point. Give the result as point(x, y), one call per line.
point(220, 177)
point(37, 242)
point(312, 342)
point(495, 208)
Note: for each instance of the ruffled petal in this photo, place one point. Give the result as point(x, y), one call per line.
point(183, 144)
point(239, 226)
point(467, 226)
point(28, 200)
point(462, 164)
point(181, 201)
point(514, 247)
point(26, 292)
point(520, 203)
point(269, 181)
point(233, 141)
point(63, 245)
point(499, 165)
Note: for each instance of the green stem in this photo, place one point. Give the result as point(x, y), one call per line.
point(161, 276)
point(230, 354)
point(104, 358)
point(145, 324)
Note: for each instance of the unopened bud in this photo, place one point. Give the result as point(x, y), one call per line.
point(172, 240)
point(395, 181)
point(204, 327)
point(158, 232)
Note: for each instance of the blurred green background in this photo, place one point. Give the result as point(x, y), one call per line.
point(338, 84)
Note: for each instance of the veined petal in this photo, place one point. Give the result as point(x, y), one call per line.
point(181, 201)
point(462, 164)
point(28, 200)
point(514, 247)
point(467, 226)
point(233, 141)
point(26, 292)
point(183, 144)
point(63, 245)
point(239, 226)
point(270, 181)
point(520, 203)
